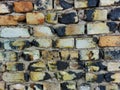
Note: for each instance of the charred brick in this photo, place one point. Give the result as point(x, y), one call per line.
point(62, 65)
point(114, 14)
point(65, 5)
point(108, 77)
point(60, 31)
point(47, 76)
point(26, 76)
point(35, 43)
point(89, 14)
point(112, 26)
point(93, 3)
point(68, 18)
point(20, 66)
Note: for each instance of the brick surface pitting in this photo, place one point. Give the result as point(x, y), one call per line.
point(59, 45)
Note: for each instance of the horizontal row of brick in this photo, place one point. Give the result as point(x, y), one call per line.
point(103, 41)
point(48, 55)
point(60, 31)
point(58, 86)
point(69, 17)
point(87, 66)
point(60, 76)
point(27, 6)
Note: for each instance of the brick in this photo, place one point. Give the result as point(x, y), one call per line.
point(85, 43)
point(89, 54)
point(37, 66)
point(113, 66)
point(57, 65)
point(109, 41)
point(92, 15)
point(13, 77)
point(18, 32)
point(51, 18)
point(113, 26)
point(16, 44)
point(42, 31)
point(31, 55)
point(2, 85)
point(50, 55)
point(84, 87)
point(2, 67)
point(75, 29)
point(1, 56)
point(11, 56)
point(74, 65)
point(17, 87)
point(108, 2)
point(42, 43)
point(101, 28)
point(91, 77)
point(111, 54)
point(70, 75)
point(65, 43)
point(14, 66)
point(23, 6)
point(59, 5)
point(93, 3)
point(35, 18)
point(68, 17)
point(33, 86)
point(68, 86)
point(5, 8)
point(1, 45)
point(112, 77)
point(39, 76)
point(81, 3)
point(95, 66)
point(66, 55)
point(114, 14)
point(11, 20)
point(43, 5)
point(51, 86)
point(108, 87)
point(71, 29)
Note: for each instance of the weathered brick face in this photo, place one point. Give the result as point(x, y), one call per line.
point(59, 45)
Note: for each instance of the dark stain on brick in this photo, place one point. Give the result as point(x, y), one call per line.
point(27, 57)
point(93, 3)
point(101, 53)
point(26, 76)
point(36, 86)
point(108, 77)
point(31, 67)
point(1, 45)
point(81, 64)
point(47, 76)
point(27, 44)
point(65, 5)
point(112, 54)
point(112, 26)
point(35, 43)
point(61, 65)
point(101, 87)
point(60, 31)
point(89, 14)
point(114, 14)
point(20, 66)
point(68, 18)
point(100, 78)
point(96, 40)
point(78, 75)
point(64, 86)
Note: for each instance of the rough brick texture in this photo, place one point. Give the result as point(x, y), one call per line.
point(59, 45)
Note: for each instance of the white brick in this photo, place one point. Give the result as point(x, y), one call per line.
point(14, 32)
point(85, 43)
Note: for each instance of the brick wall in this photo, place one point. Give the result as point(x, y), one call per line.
point(59, 45)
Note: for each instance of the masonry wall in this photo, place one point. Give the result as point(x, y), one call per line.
point(59, 45)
